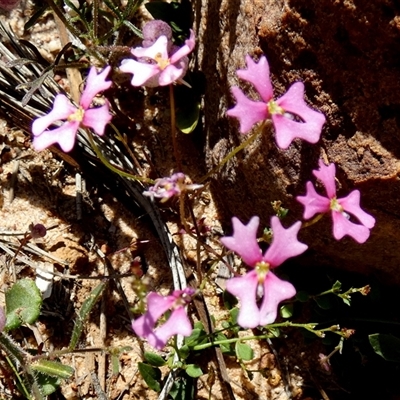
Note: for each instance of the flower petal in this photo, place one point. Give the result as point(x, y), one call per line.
point(326, 174)
point(248, 112)
point(97, 118)
point(258, 75)
point(293, 102)
point(245, 289)
point(244, 241)
point(171, 74)
point(142, 72)
point(185, 49)
point(351, 204)
point(284, 243)
point(177, 324)
point(64, 136)
point(62, 109)
point(342, 226)
point(95, 83)
point(275, 291)
point(313, 202)
point(158, 50)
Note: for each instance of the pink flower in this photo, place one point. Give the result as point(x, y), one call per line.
point(283, 112)
point(165, 188)
point(157, 65)
point(177, 323)
point(63, 109)
point(339, 208)
point(260, 291)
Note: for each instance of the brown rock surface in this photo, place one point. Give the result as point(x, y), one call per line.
point(346, 52)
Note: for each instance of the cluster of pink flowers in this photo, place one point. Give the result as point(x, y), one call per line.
point(159, 63)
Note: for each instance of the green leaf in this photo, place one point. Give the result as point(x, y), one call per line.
point(197, 336)
point(187, 117)
point(154, 359)
point(183, 388)
point(23, 303)
point(151, 375)
point(286, 311)
point(225, 347)
point(53, 368)
point(48, 384)
point(84, 312)
point(193, 370)
point(244, 351)
point(387, 346)
point(336, 286)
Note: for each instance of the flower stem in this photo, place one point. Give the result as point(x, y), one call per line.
point(114, 168)
point(232, 154)
point(173, 128)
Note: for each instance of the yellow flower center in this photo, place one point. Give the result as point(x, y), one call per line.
point(335, 206)
point(77, 116)
point(273, 108)
point(262, 269)
point(162, 62)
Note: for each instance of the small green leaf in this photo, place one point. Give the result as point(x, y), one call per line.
point(286, 311)
point(194, 370)
point(387, 346)
point(23, 303)
point(244, 351)
point(53, 368)
point(84, 312)
point(183, 388)
point(48, 384)
point(151, 375)
point(225, 347)
point(336, 286)
point(187, 117)
point(154, 359)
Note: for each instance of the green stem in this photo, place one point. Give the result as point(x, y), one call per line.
point(173, 128)
point(112, 167)
point(231, 154)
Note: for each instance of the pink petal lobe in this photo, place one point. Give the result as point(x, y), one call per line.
point(95, 83)
point(313, 202)
point(170, 74)
point(185, 49)
point(177, 324)
point(97, 118)
point(244, 241)
point(284, 243)
point(275, 291)
point(142, 72)
point(62, 109)
point(326, 174)
point(245, 289)
point(258, 75)
point(312, 121)
point(342, 226)
point(63, 135)
point(286, 130)
point(351, 204)
point(248, 112)
point(158, 50)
